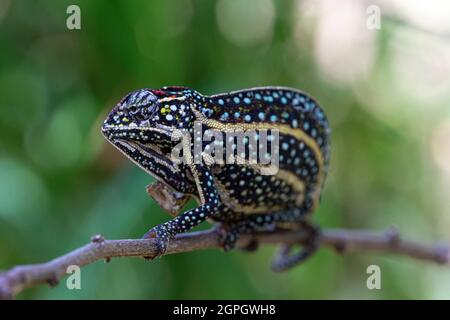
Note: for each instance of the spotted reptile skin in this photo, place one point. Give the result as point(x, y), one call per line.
point(237, 195)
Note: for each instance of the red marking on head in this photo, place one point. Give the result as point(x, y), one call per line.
point(175, 87)
point(159, 93)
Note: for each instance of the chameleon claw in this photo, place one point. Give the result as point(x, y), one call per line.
point(223, 231)
point(160, 235)
point(229, 244)
point(228, 237)
point(251, 246)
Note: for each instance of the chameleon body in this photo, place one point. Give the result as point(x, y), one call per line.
point(239, 195)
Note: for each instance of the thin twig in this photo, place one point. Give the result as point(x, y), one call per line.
point(21, 277)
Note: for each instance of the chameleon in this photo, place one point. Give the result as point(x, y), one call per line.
point(240, 196)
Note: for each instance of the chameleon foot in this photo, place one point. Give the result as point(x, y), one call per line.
point(230, 235)
point(160, 234)
point(229, 242)
point(284, 260)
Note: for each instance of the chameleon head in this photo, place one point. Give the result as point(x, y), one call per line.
point(147, 118)
point(144, 115)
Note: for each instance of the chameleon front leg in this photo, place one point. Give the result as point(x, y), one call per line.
point(209, 204)
point(167, 198)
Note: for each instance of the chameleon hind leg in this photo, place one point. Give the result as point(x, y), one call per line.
point(242, 224)
point(267, 222)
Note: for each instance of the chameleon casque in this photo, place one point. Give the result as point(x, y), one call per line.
point(237, 195)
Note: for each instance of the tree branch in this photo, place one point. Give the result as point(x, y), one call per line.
point(21, 277)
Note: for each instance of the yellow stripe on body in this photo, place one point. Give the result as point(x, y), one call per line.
point(284, 175)
point(285, 129)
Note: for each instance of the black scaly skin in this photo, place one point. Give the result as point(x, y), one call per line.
point(237, 195)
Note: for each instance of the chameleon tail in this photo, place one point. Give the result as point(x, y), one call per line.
point(284, 260)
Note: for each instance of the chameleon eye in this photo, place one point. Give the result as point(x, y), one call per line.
point(139, 104)
point(132, 110)
point(142, 113)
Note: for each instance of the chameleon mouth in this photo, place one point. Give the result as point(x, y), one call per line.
point(134, 149)
point(134, 145)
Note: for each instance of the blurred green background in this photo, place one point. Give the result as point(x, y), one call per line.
point(386, 93)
